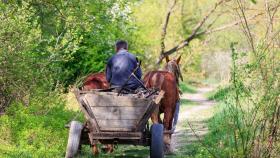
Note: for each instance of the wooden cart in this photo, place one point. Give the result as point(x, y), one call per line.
point(113, 119)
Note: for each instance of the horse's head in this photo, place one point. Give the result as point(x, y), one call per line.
point(174, 67)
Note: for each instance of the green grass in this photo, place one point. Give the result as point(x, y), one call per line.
point(187, 88)
point(36, 130)
point(187, 102)
point(122, 151)
point(219, 94)
point(210, 81)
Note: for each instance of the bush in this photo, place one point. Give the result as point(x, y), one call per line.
point(247, 124)
point(219, 94)
point(49, 44)
point(36, 130)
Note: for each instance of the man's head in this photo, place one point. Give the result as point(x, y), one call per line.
point(121, 44)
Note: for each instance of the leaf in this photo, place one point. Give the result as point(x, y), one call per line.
point(254, 1)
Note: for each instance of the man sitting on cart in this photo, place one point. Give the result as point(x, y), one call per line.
point(120, 68)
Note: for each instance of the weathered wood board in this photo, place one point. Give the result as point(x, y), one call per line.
point(116, 113)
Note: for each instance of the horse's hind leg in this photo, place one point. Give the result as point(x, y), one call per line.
point(95, 150)
point(167, 121)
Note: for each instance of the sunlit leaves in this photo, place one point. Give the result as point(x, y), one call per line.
point(254, 1)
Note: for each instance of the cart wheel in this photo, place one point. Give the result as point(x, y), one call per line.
point(73, 139)
point(156, 147)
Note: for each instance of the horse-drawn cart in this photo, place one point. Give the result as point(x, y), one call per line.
point(116, 119)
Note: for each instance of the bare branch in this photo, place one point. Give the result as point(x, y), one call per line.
point(193, 34)
point(164, 28)
point(200, 24)
point(228, 25)
point(245, 24)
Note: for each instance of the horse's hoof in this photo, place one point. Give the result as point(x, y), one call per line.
point(167, 138)
point(107, 148)
point(110, 148)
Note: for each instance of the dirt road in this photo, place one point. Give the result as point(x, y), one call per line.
point(192, 117)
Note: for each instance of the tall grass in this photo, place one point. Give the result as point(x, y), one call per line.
point(219, 94)
point(36, 130)
point(187, 88)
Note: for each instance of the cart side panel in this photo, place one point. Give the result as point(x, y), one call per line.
point(117, 113)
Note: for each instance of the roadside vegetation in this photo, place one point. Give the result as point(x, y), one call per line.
point(35, 130)
point(47, 46)
point(187, 88)
point(247, 118)
point(219, 94)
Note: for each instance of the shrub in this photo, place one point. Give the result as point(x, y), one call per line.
point(36, 130)
point(219, 94)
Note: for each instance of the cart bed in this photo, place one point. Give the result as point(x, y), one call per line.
point(111, 112)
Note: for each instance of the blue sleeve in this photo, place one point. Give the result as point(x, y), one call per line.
point(108, 70)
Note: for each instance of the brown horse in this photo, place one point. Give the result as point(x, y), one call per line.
point(168, 81)
point(95, 81)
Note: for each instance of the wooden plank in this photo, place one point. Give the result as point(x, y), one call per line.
point(108, 129)
point(85, 111)
point(119, 135)
point(149, 111)
point(118, 112)
point(127, 124)
point(145, 117)
point(113, 100)
point(109, 138)
point(159, 97)
point(118, 117)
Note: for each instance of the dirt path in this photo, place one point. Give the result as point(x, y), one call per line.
point(196, 116)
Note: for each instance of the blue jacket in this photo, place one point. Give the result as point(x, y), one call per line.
point(120, 67)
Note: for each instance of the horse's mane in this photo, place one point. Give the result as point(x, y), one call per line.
point(173, 67)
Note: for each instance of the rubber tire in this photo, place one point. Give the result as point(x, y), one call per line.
point(157, 146)
point(74, 139)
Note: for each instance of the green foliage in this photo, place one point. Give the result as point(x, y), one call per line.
point(254, 1)
point(219, 94)
point(187, 88)
point(121, 151)
point(249, 107)
point(220, 140)
point(46, 44)
point(49, 44)
point(36, 130)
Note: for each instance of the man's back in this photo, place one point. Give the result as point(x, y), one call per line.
point(120, 67)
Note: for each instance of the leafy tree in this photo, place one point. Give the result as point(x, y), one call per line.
point(50, 43)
